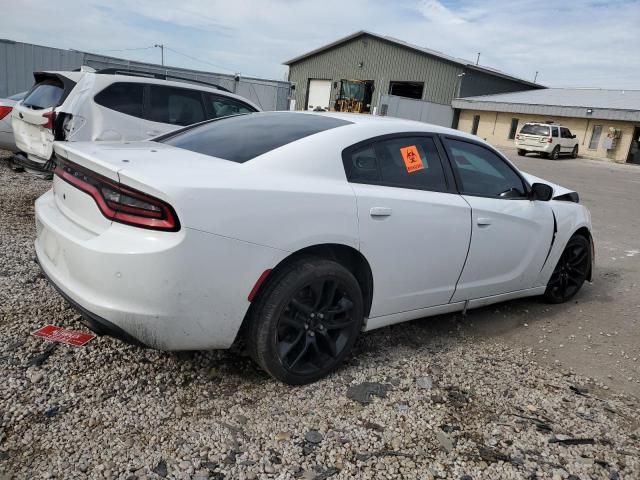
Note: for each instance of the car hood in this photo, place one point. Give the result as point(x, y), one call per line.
point(558, 190)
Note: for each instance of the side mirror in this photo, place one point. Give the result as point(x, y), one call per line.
point(573, 136)
point(541, 191)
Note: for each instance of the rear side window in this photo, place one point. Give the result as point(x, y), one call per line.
point(554, 131)
point(45, 94)
point(176, 106)
point(243, 137)
point(530, 129)
point(219, 106)
point(404, 162)
point(122, 97)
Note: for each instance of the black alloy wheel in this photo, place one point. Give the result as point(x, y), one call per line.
point(555, 153)
point(574, 152)
point(571, 271)
point(306, 321)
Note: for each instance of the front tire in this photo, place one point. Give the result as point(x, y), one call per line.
point(306, 320)
point(555, 153)
point(574, 152)
point(570, 272)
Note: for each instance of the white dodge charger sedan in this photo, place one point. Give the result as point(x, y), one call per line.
point(296, 231)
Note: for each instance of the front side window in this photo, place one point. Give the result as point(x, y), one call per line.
point(122, 97)
point(564, 133)
point(176, 106)
point(220, 106)
point(404, 162)
point(483, 173)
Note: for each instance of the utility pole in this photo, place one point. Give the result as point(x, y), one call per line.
point(536, 77)
point(478, 59)
point(161, 47)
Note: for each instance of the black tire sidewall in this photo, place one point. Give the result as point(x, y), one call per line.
point(555, 153)
point(274, 298)
point(549, 298)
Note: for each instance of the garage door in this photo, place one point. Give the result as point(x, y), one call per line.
point(319, 94)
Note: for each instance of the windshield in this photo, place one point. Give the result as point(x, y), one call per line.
point(531, 129)
point(45, 94)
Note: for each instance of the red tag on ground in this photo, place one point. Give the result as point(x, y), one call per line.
point(59, 334)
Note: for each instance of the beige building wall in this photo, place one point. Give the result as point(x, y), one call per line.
point(494, 128)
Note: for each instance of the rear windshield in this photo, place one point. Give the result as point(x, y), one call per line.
point(242, 137)
point(532, 129)
point(45, 94)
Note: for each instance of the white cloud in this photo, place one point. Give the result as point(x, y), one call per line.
point(576, 43)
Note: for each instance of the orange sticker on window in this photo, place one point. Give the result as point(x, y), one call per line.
point(411, 158)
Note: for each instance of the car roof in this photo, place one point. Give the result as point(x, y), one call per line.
point(77, 76)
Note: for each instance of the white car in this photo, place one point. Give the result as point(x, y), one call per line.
point(296, 231)
point(107, 105)
point(6, 132)
point(550, 140)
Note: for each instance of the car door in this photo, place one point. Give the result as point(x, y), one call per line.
point(168, 108)
point(567, 140)
point(511, 234)
point(414, 229)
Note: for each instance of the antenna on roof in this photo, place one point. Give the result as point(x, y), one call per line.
point(478, 59)
point(535, 77)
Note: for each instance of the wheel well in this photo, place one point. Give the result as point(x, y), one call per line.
point(584, 232)
point(348, 257)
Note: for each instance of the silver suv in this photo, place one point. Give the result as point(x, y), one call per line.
point(110, 105)
point(548, 139)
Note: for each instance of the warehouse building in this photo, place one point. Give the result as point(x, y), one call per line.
point(366, 72)
point(606, 122)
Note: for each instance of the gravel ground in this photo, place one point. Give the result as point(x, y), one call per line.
point(441, 403)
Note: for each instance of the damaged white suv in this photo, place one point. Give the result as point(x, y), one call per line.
point(110, 105)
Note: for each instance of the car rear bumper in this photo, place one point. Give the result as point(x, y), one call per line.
point(183, 290)
point(535, 147)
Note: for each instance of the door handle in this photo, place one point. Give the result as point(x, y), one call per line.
point(380, 212)
point(483, 221)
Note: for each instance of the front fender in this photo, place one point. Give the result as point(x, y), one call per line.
point(570, 218)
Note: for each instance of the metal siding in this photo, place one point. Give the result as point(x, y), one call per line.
point(550, 110)
point(18, 61)
point(479, 83)
point(419, 110)
point(382, 62)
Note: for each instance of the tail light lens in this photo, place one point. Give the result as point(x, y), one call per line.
point(118, 203)
point(518, 137)
point(4, 111)
point(51, 118)
point(546, 140)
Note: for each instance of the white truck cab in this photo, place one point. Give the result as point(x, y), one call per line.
point(548, 139)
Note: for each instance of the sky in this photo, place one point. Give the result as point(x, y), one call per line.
point(571, 43)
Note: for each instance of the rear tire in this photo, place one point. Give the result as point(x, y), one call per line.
point(574, 152)
point(570, 272)
point(522, 153)
point(555, 153)
point(305, 321)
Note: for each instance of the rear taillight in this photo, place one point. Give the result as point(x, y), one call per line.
point(118, 203)
point(518, 137)
point(546, 140)
point(51, 117)
point(4, 111)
